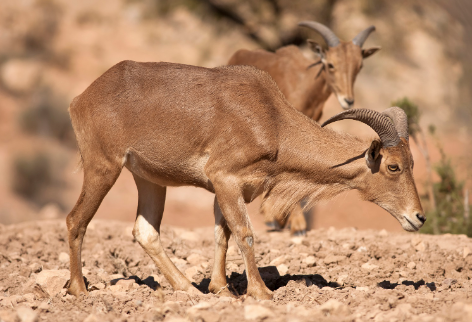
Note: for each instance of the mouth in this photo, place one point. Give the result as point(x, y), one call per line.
point(415, 228)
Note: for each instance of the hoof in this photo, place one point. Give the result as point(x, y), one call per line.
point(221, 291)
point(273, 225)
point(76, 292)
point(263, 294)
point(299, 233)
point(76, 288)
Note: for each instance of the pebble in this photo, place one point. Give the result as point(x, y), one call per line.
point(310, 261)
point(411, 265)
point(369, 266)
point(278, 260)
point(196, 259)
point(52, 281)
point(334, 307)
point(283, 269)
point(257, 312)
point(64, 258)
point(26, 314)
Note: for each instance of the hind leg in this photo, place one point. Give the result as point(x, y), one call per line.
point(99, 177)
point(297, 221)
point(151, 200)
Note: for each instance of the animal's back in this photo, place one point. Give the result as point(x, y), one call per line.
point(175, 112)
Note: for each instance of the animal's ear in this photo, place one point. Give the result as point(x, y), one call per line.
point(315, 47)
point(369, 52)
point(372, 154)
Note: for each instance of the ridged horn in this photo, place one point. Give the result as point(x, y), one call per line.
point(328, 35)
point(399, 119)
point(379, 122)
point(362, 36)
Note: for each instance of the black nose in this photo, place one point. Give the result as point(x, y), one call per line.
point(349, 101)
point(421, 218)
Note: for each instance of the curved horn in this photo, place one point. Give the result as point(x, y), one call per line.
point(362, 36)
point(380, 123)
point(399, 119)
point(328, 35)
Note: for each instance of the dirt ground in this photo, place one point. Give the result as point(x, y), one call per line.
point(330, 275)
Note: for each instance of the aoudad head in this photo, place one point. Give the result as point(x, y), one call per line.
point(389, 180)
point(342, 61)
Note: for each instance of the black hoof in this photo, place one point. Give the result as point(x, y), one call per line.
point(273, 225)
point(299, 233)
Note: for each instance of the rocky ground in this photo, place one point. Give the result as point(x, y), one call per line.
point(330, 275)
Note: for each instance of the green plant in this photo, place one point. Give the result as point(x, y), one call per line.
point(449, 215)
point(412, 112)
point(38, 176)
point(31, 174)
point(47, 115)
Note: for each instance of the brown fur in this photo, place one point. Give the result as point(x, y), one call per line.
point(228, 130)
point(303, 89)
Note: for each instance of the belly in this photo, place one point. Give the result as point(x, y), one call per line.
point(188, 171)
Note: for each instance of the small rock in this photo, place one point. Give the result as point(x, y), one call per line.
point(126, 285)
point(256, 312)
point(26, 314)
point(44, 306)
point(196, 259)
point(362, 288)
point(64, 258)
point(36, 268)
point(52, 281)
point(383, 233)
point(341, 279)
point(278, 260)
point(297, 240)
point(283, 269)
point(421, 247)
point(369, 266)
point(190, 272)
point(310, 261)
point(449, 281)
point(92, 318)
point(29, 297)
point(466, 252)
point(331, 259)
point(362, 249)
point(411, 265)
point(334, 307)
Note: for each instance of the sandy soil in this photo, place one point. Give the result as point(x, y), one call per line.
point(330, 275)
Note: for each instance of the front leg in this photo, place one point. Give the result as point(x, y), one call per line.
point(233, 208)
point(222, 234)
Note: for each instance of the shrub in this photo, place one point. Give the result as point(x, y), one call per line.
point(31, 174)
point(37, 176)
point(47, 115)
point(449, 213)
point(412, 112)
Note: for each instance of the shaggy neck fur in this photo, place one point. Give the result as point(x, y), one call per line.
point(315, 168)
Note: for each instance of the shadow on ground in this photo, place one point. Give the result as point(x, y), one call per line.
point(271, 277)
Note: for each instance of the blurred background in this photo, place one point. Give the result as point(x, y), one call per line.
point(51, 50)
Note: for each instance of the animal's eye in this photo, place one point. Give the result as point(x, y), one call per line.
point(330, 66)
point(393, 168)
